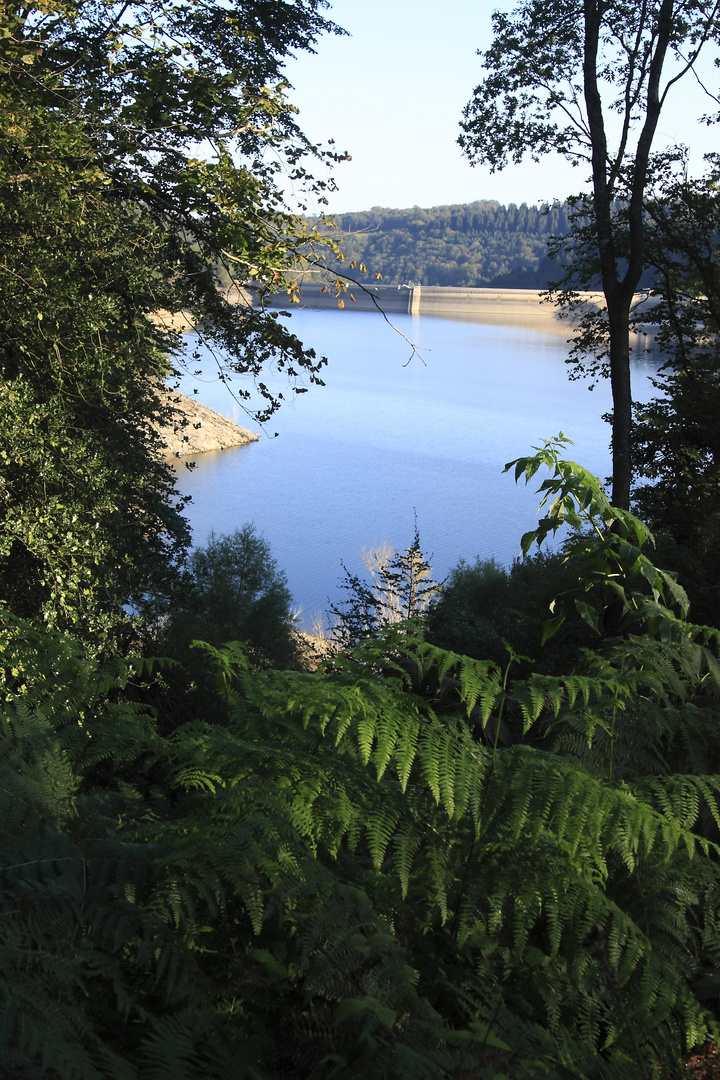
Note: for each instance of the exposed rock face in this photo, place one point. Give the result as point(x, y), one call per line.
point(315, 650)
point(205, 430)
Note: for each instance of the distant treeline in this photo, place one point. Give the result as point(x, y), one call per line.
point(480, 244)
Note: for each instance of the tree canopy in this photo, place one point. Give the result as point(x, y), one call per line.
point(475, 245)
point(675, 437)
point(589, 81)
point(141, 152)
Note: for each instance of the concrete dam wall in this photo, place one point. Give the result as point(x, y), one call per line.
point(442, 301)
point(388, 298)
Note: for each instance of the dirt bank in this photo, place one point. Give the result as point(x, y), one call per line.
point(205, 430)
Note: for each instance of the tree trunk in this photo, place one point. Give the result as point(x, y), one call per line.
point(618, 318)
point(619, 293)
point(618, 303)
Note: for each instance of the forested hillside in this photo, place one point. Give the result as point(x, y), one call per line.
point(477, 245)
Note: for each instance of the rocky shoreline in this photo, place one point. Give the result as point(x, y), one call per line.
point(203, 430)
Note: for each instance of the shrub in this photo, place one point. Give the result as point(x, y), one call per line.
point(483, 605)
point(231, 590)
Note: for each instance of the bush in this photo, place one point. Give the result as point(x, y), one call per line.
point(483, 605)
point(231, 590)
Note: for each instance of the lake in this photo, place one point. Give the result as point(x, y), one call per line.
point(385, 440)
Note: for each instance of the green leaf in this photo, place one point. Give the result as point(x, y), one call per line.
point(350, 1007)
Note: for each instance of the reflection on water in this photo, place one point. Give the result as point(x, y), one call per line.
point(354, 461)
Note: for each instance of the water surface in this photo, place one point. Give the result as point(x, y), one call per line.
point(385, 440)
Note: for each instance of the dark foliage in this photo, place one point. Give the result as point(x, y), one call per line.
point(485, 608)
point(229, 590)
point(412, 868)
point(676, 442)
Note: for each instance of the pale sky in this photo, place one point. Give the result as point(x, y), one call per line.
point(392, 94)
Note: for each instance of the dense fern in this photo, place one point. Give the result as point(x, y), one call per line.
point(410, 864)
point(458, 826)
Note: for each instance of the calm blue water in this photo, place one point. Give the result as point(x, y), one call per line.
point(354, 461)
